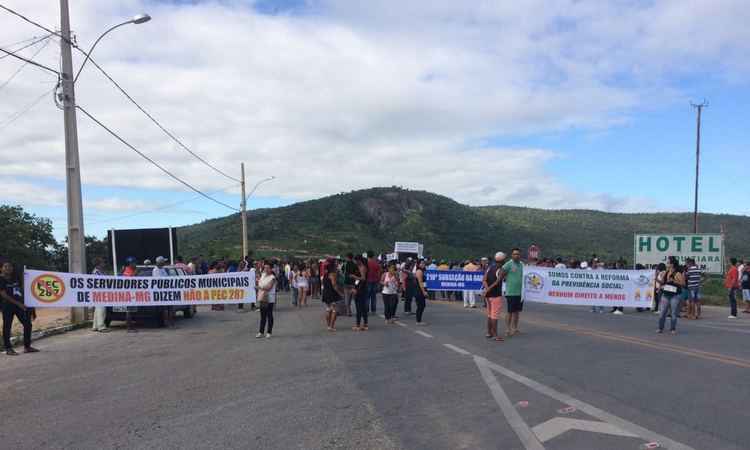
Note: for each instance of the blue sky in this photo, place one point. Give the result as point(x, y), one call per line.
point(558, 104)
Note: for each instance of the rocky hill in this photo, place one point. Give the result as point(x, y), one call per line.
point(376, 218)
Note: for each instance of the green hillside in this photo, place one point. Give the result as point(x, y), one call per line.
point(375, 218)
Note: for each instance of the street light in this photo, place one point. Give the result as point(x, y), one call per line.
point(136, 20)
point(243, 214)
point(74, 203)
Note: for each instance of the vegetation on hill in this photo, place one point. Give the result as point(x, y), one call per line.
point(376, 218)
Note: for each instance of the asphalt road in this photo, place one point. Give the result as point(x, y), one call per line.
point(571, 380)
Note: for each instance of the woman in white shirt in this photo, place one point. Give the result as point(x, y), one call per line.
point(303, 281)
point(391, 284)
point(266, 299)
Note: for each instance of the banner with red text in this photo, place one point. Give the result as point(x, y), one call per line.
point(633, 288)
point(44, 289)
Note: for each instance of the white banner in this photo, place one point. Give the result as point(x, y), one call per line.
point(43, 289)
point(633, 288)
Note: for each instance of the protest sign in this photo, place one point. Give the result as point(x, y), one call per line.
point(706, 249)
point(453, 280)
point(44, 289)
point(633, 288)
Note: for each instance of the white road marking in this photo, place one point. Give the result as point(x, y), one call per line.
point(522, 430)
point(422, 333)
point(559, 425)
point(593, 411)
point(457, 349)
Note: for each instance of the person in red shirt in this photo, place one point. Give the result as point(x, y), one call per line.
point(732, 283)
point(373, 280)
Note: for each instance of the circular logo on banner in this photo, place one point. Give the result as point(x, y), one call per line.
point(534, 281)
point(48, 288)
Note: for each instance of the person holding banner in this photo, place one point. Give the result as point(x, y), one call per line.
point(11, 295)
point(469, 297)
point(512, 276)
point(100, 312)
point(493, 295)
point(674, 283)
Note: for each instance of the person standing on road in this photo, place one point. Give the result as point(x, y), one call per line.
point(512, 276)
point(390, 282)
point(745, 285)
point(293, 285)
point(421, 295)
point(409, 282)
point(674, 282)
point(360, 296)
point(349, 269)
point(11, 297)
point(731, 283)
point(694, 280)
point(100, 312)
point(303, 285)
point(493, 294)
point(159, 271)
point(332, 295)
point(267, 300)
point(373, 280)
point(469, 297)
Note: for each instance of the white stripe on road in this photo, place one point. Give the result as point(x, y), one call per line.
point(522, 430)
point(581, 406)
point(422, 333)
point(558, 425)
point(457, 349)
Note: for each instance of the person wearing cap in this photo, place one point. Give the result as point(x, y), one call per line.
point(160, 271)
point(492, 284)
point(100, 312)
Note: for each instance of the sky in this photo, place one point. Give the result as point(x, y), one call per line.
point(542, 103)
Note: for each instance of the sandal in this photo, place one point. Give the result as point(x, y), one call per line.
point(355, 328)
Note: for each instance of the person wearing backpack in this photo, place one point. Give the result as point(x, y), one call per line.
point(671, 291)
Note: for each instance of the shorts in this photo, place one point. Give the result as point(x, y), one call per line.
point(515, 304)
point(334, 306)
point(494, 304)
point(746, 295)
point(694, 294)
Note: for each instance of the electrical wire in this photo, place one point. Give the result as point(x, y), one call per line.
point(17, 115)
point(28, 61)
point(161, 208)
point(36, 41)
point(156, 122)
point(39, 50)
point(36, 24)
point(33, 38)
point(142, 155)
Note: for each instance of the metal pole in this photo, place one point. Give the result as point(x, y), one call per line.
point(699, 107)
point(243, 204)
point(76, 245)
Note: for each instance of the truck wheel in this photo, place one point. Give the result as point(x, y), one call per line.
point(160, 318)
point(189, 312)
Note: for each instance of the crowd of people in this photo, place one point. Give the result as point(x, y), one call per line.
point(350, 286)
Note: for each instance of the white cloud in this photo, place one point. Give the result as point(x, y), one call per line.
point(13, 191)
point(117, 204)
point(342, 98)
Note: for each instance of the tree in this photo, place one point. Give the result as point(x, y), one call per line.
point(26, 239)
point(94, 248)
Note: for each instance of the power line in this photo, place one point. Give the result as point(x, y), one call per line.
point(35, 39)
point(36, 24)
point(156, 122)
point(28, 61)
point(39, 50)
point(17, 115)
point(32, 38)
point(161, 208)
point(127, 144)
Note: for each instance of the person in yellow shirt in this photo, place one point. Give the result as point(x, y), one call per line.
point(470, 300)
point(444, 266)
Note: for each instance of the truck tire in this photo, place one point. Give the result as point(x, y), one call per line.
point(160, 318)
point(189, 312)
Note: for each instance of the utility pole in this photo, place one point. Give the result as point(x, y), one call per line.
point(76, 245)
point(699, 107)
point(243, 213)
